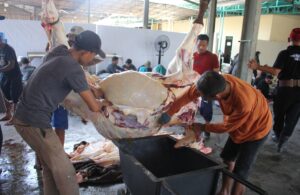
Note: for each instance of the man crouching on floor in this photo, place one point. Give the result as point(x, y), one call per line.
point(247, 119)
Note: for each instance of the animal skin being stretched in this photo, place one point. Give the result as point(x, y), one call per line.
point(138, 100)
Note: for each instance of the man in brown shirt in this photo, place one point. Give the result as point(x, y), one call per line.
point(247, 120)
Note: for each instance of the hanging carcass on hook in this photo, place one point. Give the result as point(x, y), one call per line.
point(138, 105)
point(52, 24)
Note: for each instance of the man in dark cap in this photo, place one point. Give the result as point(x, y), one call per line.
point(60, 121)
point(53, 80)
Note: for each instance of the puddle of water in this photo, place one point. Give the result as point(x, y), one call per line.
point(18, 173)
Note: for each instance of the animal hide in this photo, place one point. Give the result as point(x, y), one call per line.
point(138, 99)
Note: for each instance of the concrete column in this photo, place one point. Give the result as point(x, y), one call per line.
point(249, 37)
point(211, 23)
point(35, 13)
point(146, 14)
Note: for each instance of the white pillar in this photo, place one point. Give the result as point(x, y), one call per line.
point(249, 38)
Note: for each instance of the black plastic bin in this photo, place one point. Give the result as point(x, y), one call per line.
point(152, 165)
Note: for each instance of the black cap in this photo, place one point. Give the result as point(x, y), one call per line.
point(24, 60)
point(2, 17)
point(128, 61)
point(89, 41)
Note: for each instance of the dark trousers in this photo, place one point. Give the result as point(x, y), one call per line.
point(286, 110)
point(12, 88)
point(206, 110)
point(243, 154)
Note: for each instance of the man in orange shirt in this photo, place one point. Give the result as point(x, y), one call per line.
point(247, 119)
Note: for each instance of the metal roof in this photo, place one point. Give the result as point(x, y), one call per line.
point(131, 11)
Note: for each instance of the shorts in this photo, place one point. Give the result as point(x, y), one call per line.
point(60, 118)
point(12, 88)
point(206, 110)
point(244, 155)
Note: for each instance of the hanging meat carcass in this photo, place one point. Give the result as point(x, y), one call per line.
point(136, 106)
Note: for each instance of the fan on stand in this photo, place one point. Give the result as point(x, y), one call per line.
point(162, 44)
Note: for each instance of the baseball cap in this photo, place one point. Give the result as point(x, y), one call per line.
point(295, 34)
point(75, 30)
point(89, 41)
point(2, 17)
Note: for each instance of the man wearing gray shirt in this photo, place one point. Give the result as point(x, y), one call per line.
point(50, 83)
